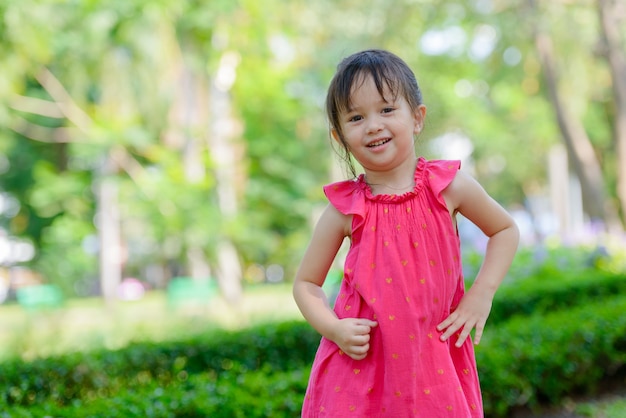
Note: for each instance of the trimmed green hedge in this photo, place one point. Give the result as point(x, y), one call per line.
point(275, 347)
point(543, 294)
point(541, 359)
point(238, 393)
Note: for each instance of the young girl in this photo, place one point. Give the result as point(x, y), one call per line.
point(396, 343)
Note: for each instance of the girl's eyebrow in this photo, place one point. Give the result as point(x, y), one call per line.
point(382, 101)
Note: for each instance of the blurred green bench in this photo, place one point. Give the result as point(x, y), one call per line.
point(183, 291)
point(44, 296)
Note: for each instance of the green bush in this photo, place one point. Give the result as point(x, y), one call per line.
point(277, 347)
point(540, 359)
point(541, 294)
point(237, 393)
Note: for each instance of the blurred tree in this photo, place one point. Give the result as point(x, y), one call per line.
point(612, 14)
point(579, 147)
point(204, 121)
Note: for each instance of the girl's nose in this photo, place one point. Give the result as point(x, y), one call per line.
point(374, 125)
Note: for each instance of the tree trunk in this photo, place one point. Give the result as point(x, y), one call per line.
point(580, 151)
point(224, 155)
point(614, 53)
point(186, 116)
point(109, 234)
point(107, 206)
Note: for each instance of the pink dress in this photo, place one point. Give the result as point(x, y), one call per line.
point(403, 270)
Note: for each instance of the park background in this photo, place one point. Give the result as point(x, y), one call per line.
point(161, 165)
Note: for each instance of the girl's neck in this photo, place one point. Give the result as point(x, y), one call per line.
point(397, 181)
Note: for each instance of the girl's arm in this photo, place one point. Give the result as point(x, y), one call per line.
point(464, 195)
point(350, 334)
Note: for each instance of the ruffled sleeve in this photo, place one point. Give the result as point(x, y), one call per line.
point(348, 198)
point(439, 175)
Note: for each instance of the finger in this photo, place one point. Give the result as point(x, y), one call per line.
point(447, 322)
point(357, 356)
point(443, 325)
point(478, 335)
point(359, 348)
point(463, 335)
point(359, 351)
point(360, 340)
point(362, 330)
point(367, 322)
point(451, 330)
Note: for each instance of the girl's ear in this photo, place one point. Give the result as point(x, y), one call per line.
point(335, 135)
point(419, 117)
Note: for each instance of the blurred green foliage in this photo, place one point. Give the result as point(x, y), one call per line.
point(89, 85)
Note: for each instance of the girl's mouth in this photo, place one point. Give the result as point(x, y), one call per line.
point(378, 143)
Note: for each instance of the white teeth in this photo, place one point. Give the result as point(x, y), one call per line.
point(377, 143)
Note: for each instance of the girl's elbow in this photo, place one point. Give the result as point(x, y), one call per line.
point(511, 235)
point(509, 232)
point(515, 233)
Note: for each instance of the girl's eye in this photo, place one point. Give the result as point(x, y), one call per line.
point(388, 110)
point(355, 118)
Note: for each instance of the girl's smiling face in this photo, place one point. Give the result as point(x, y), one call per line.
point(379, 130)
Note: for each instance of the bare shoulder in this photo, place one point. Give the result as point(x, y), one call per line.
point(462, 188)
point(330, 231)
point(466, 196)
point(334, 222)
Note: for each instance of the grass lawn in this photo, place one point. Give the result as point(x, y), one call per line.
point(84, 324)
point(610, 407)
point(605, 406)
